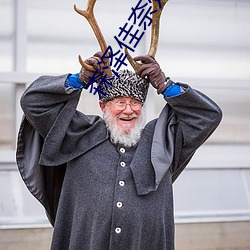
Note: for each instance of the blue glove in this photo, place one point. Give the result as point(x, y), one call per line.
point(74, 82)
point(172, 90)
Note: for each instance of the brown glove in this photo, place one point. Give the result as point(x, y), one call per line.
point(94, 60)
point(151, 69)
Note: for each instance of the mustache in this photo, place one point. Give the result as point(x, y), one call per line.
point(122, 116)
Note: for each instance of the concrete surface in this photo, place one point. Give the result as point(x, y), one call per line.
point(193, 236)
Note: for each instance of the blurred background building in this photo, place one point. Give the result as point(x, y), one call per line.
point(205, 43)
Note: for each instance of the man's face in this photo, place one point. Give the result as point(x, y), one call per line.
point(125, 117)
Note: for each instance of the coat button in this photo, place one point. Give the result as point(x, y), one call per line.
point(119, 204)
point(123, 164)
point(121, 183)
point(118, 230)
point(122, 150)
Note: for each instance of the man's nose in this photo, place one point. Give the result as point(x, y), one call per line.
point(128, 110)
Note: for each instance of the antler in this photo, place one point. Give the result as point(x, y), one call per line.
point(89, 15)
point(155, 28)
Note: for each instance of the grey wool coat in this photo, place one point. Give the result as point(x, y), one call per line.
point(99, 195)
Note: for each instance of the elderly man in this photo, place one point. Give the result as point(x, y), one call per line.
point(107, 183)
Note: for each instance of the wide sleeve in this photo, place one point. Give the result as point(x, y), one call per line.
point(197, 116)
point(67, 133)
point(52, 133)
point(43, 101)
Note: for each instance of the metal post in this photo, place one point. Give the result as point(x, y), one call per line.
point(20, 54)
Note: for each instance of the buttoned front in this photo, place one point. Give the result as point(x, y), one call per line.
point(122, 150)
point(119, 204)
point(121, 183)
point(123, 164)
point(120, 210)
point(118, 230)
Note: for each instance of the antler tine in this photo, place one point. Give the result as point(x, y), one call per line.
point(155, 30)
point(135, 65)
point(155, 27)
point(88, 13)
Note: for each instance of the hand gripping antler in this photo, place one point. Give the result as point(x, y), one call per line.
point(155, 28)
point(89, 15)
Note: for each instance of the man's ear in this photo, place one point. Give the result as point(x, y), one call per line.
point(102, 105)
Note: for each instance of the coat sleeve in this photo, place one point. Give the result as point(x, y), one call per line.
point(197, 117)
point(67, 133)
point(42, 102)
point(44, 99)
point(52, 133)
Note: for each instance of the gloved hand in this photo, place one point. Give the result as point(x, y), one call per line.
point(94, 60)
point(151, 69)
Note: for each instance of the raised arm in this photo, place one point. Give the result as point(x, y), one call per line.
point(44, 99)
point(196, 115)
point(49, 96)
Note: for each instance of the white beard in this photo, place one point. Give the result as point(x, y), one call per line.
point(127, 139)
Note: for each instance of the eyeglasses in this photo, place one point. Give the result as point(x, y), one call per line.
point(121, 105)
